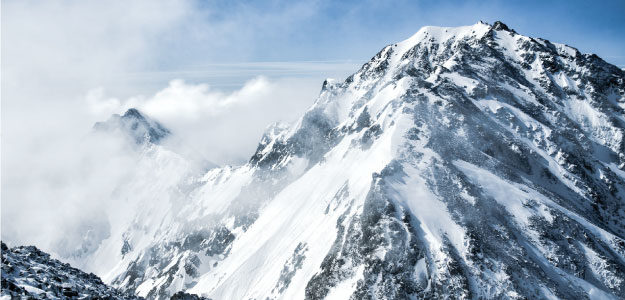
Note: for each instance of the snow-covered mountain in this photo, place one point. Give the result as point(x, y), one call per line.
point(135, 126)
point(467, 162)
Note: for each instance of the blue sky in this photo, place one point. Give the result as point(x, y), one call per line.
point(356, 30)
point(141, 45)
point(341, 35)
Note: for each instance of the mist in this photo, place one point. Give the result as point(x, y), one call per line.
point(205, 119)
point(67, 65)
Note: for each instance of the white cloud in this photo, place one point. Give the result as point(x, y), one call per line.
point(55, 181)
point(68, 64)
point(99, 105)
point(224, 126)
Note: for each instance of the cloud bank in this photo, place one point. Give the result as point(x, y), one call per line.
point(69, 64)
point(224, 126)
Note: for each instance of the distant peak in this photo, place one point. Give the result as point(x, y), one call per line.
point(138, 126)
point(133, 112)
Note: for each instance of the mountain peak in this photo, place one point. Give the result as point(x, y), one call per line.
point(133, 113)
point(136, 125)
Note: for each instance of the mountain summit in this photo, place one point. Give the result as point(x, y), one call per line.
point(461, 163)
point(136, 126)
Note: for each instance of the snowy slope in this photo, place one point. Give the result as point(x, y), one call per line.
point(467, 162)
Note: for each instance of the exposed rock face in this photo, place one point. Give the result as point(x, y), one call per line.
point(138, 127)
point(462, 163)
point(185, 296)
point(28, 273)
